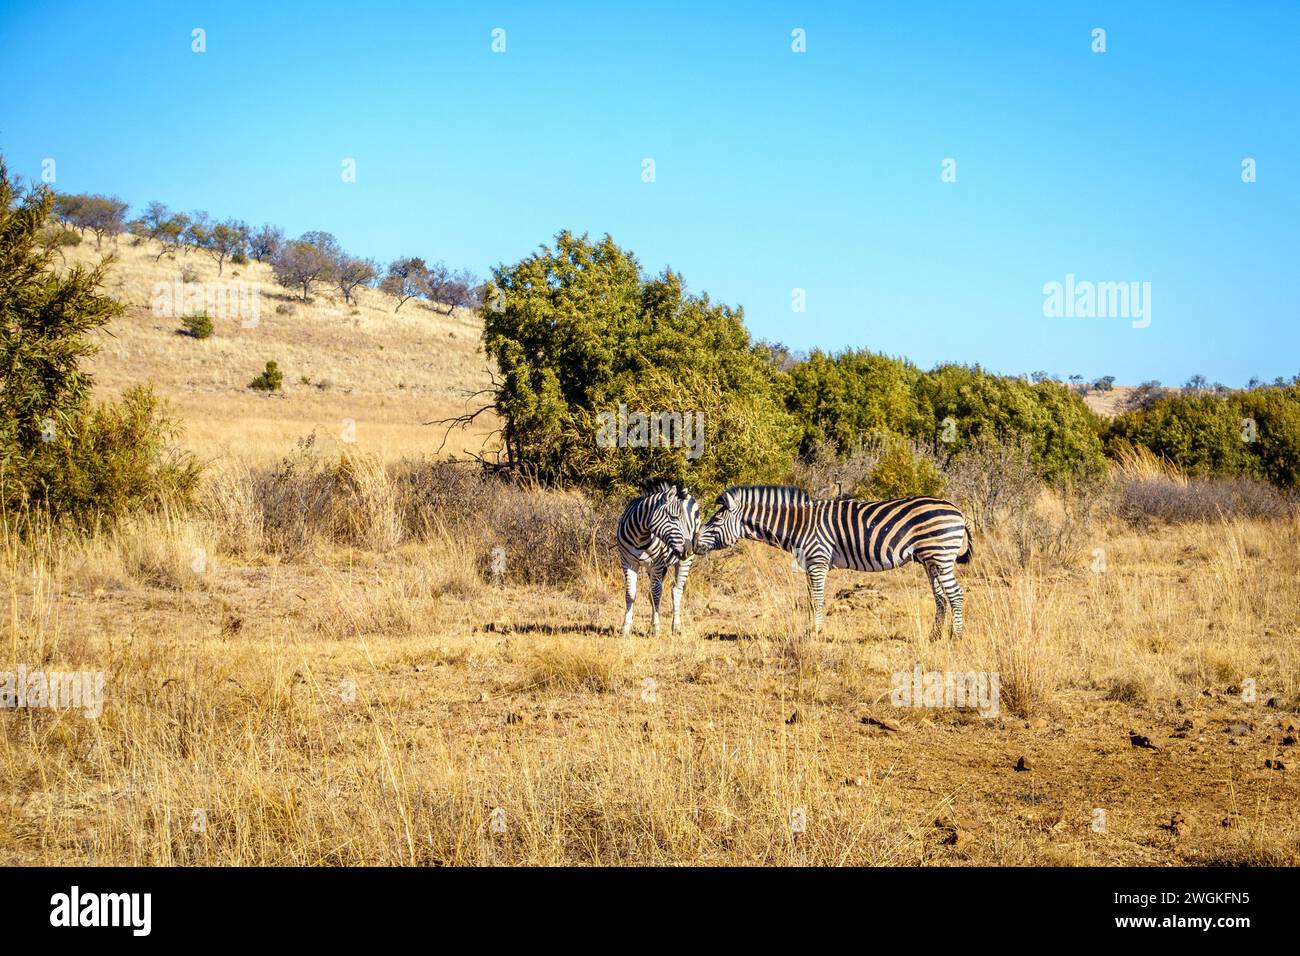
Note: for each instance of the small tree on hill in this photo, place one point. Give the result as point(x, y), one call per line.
point(102, 215)
point(306, 261)
point(270, 379)
point(265, 244)
point(407, 278)
point(154, 218)
point(225, 239)
point(195, 235)
point(351, 272)
point(452, 289)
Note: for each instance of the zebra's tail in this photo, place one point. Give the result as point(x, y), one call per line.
point(965, 556)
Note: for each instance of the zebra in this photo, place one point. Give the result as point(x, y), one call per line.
point(845, 532)
point(658, 529)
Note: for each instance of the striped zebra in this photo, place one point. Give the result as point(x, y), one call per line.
point(847, 533)
point(658, 530)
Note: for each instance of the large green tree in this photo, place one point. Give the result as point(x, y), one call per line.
point(584, 340)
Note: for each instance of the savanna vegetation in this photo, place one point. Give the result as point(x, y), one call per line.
point(349, 650)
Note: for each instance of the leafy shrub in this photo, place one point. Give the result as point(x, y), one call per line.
point(962, 403)
point(76, 461)
point(904, 469)
point(269, 380)
point(114, 458)
point(56, 238)
point(582, 336)
point(1250, 434)
point(839, 398)
point(1270, 423)
point(1201, 434)
point(877, 466)
point(198, 326)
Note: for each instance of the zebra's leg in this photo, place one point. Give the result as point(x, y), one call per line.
point(679, 590)
point(940, 601)
point(955, 598)
point(817, 592)
point(629, 577)
point(656, 591)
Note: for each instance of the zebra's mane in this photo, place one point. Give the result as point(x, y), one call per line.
point(657, 486)
point(791, 494)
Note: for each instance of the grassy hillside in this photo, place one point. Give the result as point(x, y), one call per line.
point(1108, 404)
point(387, 372)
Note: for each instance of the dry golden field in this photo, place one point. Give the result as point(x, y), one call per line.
point(368, 698)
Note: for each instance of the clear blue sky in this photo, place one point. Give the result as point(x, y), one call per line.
point(775, 170)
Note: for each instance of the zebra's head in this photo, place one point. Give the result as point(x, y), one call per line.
point(723, 529)
point(675, 521)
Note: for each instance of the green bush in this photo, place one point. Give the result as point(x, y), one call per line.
point(1201, 434)
point(839, 398)
point(111, 459)
point(270, 380)
point(59, 453)
point(1252, 434)
point(199, 326)
point(1270, 422)
point(902, 471)
point(584, 341)
point(959, 403)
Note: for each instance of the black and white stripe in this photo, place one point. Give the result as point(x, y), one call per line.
point(658, 530)
point(847, 533)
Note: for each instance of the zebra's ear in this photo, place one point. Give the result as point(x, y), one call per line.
point(683, 492)
point(727, 500)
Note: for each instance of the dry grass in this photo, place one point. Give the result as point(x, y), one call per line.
point(228, 692)
point(1151, 489)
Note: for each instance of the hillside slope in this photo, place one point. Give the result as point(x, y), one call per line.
point(1108, 404)
point(388, 373)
